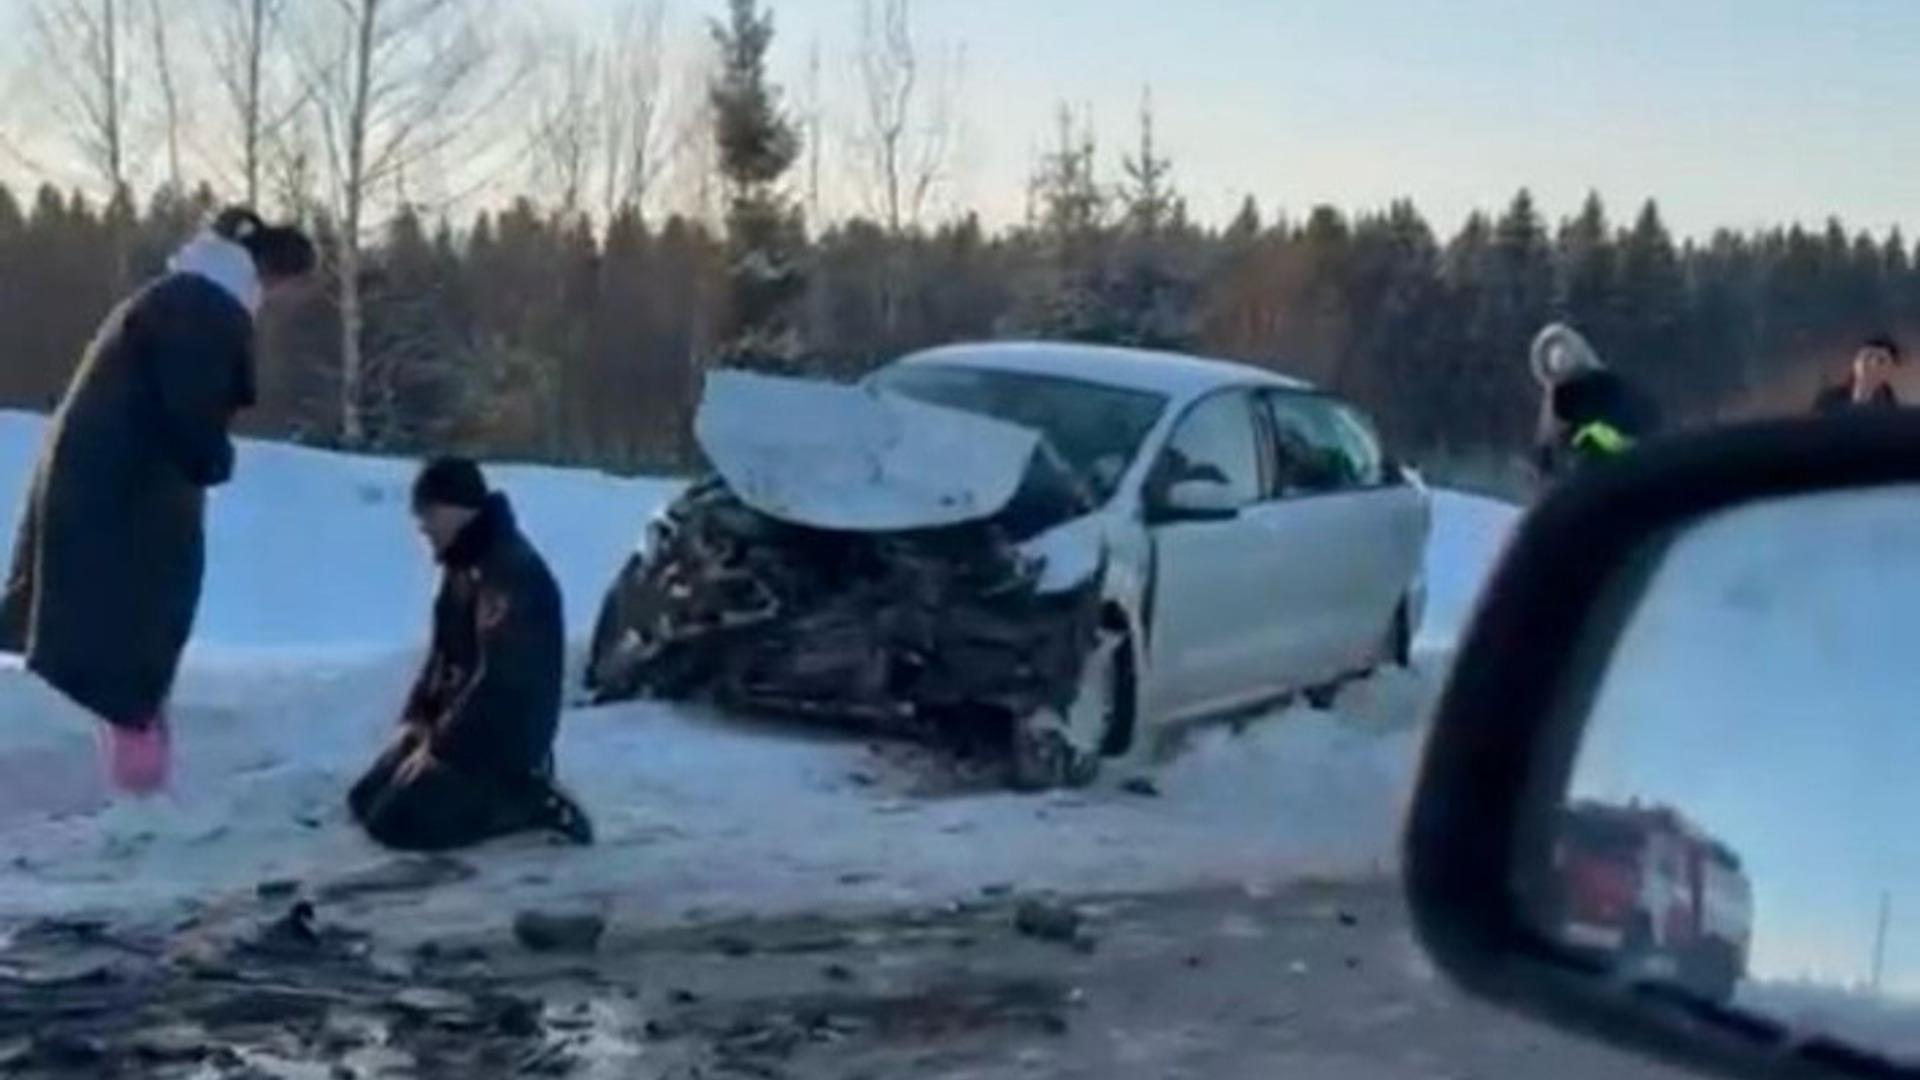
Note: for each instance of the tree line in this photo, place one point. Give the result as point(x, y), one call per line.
point(531, 334)
point(572, 323)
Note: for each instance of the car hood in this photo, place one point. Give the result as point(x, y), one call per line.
point(857, 458)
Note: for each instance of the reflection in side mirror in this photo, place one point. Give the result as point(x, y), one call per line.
point(1740, 824)
point(1198, 500)
point(1669, 795)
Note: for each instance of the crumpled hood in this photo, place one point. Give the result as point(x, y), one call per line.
point(856, 458)
point(223, 262)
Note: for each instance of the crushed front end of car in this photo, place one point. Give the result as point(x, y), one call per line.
point(862, 558)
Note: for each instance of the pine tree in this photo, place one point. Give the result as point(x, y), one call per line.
point(1064, 292)
point(617, 345)
point(1721, 337)
point(1523, 268)
point(1653, 304)
point(1245, 227)
point(1152, 288)
point(1589, 263)
point(765, 235)
point(1393, 301)
point(1150, 203)
point(1487, 388)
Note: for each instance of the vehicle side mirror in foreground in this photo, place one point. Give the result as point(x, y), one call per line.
point(1197, 500)
point(1672, 794)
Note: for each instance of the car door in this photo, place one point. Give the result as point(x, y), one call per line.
point(1207, 602)
point(1368, 527)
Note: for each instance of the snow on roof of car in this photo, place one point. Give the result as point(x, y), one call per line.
point(1172, 374)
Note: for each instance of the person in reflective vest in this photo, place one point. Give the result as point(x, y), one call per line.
point(1589, 412)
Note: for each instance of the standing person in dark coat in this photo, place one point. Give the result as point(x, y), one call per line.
point(108, 561)
point(1869, 381)
point(474, 756)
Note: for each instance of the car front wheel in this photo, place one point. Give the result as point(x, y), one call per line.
point(610, 629)
point(1054, 749)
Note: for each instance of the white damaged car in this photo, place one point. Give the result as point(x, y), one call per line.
point(1088, 541)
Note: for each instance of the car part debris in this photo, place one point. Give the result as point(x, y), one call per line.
point(862, 557)
point(902, 630)
point(543, 931)
point(1046, 921)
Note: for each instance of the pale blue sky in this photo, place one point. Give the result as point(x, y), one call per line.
point(1732, 112)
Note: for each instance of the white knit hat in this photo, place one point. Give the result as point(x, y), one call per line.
point(1559, 351)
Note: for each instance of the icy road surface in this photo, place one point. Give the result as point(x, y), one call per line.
point(316, 610)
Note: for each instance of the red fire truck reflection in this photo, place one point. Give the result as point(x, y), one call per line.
point(1655, 894)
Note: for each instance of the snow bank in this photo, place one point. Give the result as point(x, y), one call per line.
point(1469, 533)
point(309, 550)
point(315, 609)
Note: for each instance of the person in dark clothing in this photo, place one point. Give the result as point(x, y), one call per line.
point(110, 552)
point(1589, 412)
point(1869, 381)
point(474, 756)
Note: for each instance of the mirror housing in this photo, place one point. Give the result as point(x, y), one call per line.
point(1194, 500)
point(1497, 764)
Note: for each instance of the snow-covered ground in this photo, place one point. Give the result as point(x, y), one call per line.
point(314, 615)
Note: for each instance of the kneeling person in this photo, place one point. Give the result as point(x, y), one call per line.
point(474, 756)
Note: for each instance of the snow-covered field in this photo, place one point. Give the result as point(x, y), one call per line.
point(313, 619)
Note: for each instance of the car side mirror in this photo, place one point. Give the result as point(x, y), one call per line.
point(1668, 801)
point(1196, 500)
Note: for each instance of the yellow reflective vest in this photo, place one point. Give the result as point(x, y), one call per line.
point(1601, 439)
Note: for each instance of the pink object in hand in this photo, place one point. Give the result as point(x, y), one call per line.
point(138, 760)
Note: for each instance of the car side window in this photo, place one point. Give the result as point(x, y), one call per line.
point(1318, 447)
point(1357, 434)
point(1214, 443)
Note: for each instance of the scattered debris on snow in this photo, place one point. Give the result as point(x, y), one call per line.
point(1047, 921)
point(545, 931)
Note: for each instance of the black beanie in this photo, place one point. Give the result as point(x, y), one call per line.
point(450, 481)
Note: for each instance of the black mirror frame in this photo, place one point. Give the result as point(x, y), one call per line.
point(1496, 759)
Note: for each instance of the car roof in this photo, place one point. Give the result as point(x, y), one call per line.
point(1174, 375)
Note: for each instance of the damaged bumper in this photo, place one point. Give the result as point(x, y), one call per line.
point(859, 557)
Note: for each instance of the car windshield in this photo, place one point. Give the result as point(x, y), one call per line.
point(1096, 429)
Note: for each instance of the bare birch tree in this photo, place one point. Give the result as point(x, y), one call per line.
point(599, 123)
point(170, 113)
point(692, 162)
point(566, 121)
point(634, 107)
point(395, 88)
point(905, 131)
point(811, 114)
point(247, 47)
point(84, 47)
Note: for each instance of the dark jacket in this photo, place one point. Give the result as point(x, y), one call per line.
point(1597, 415)
point(110, 553)
point(474, 756)
point(1838, 398)
point(489, 696)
